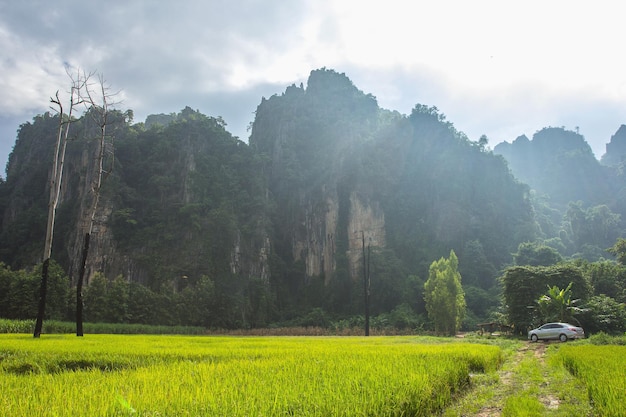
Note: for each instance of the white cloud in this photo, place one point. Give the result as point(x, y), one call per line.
point(493, 67)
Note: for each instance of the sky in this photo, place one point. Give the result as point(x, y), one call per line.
point(492, 67)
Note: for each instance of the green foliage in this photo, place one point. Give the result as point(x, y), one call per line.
point(607, 278)
point(192, 304)
point(534, 254)
point(619, 250)
point(19, 293)
point(602, 338)
point(17, 326)
point(117, 300)
point(403, 317)
point(195, 301)
point(389, 285)
point(58, 327)
point(604, 314)
point(479, 301)
point(597, 226)
point(523, 285)
point(557, 305)
point(576, 200)
point(95, 299)
point(444, 296)
point(475, 267)
point(148, 307)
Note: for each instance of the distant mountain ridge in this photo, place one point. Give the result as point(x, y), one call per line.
point(559, 163)
point(616, 148)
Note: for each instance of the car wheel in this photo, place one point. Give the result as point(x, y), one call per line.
point(534, 337)
point(563, 338)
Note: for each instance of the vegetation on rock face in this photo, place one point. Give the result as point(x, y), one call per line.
point(196, 227)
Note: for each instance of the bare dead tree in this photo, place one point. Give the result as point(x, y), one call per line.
point(100, 103)
point(65, 120)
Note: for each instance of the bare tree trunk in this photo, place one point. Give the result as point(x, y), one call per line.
point(79, 93)
point(79, 287)
point(101, 118)
point(43, 289)
point(55, 188)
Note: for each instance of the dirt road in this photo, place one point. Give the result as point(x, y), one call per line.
point(524, 374)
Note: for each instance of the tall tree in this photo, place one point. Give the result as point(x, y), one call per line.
point(99, 101)
point(619, 250)
point(445, 299)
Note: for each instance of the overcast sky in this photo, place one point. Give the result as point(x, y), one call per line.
point(500, 68)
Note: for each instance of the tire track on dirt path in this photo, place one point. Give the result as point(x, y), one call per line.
point(524, 370)
point(506, 385)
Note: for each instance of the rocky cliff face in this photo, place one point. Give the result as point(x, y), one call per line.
point(315, 242)
point(160, 190)
point(307, 135)
point(366, 224)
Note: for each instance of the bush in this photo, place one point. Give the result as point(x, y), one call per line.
point(58, 327)
point(604, 314)
point(317, 317)
point(606, 339)
point(17, 326)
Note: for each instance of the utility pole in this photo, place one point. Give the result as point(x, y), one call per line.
point(366, 283)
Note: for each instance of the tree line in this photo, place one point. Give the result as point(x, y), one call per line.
point(589, 294)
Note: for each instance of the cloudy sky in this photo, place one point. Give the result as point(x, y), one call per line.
point(500, 68)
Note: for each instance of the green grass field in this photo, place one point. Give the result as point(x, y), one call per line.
point(112, 375)
point(603, 370)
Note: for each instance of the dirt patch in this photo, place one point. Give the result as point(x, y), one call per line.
point(552, 402)
point(489, 412)
point(540, 350)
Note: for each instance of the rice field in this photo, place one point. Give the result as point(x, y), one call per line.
point(603, 370)
point(115, 375)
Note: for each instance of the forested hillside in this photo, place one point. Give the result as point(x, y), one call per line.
point(197, 227)
point(579, 203)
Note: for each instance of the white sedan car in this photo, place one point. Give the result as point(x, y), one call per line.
point(560, 331)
